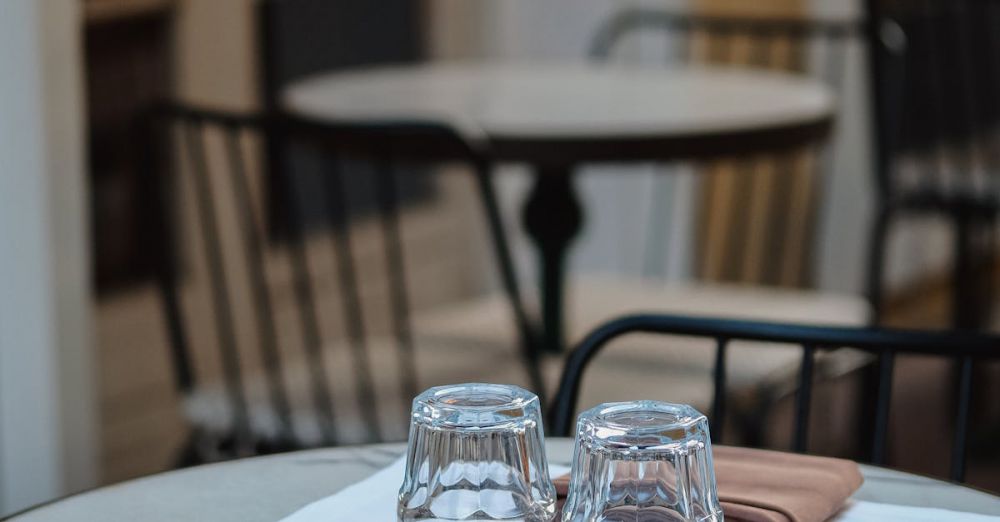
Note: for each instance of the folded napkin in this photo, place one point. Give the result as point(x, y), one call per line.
point(766, 486)
point(769, 486)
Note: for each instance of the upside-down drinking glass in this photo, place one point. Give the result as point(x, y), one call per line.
point(642, 460)
point(476, 452)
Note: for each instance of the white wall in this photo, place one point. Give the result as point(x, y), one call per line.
point(47, 413)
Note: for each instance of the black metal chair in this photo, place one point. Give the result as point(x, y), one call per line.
point(967, 348)
point(935, 70)
point(932, 159)
point(287, 400)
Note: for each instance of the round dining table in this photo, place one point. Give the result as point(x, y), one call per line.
point(555, 117)
point(272, 487)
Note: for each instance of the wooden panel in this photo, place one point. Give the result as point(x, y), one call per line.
point(756, 218)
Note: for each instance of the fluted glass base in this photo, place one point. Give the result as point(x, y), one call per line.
point(476, 452)
point(642, 461)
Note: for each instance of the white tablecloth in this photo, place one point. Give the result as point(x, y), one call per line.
point(266, 489)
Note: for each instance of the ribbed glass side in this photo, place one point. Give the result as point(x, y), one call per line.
point(642, 461)
point(476, 452)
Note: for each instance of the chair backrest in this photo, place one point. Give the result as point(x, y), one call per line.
point(963, 347)
point(935, 68)
point(757, 213)
point(246, 274)
point(772, 43)
point(300, 38)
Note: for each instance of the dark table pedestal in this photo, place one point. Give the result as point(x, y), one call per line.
point(553, 217)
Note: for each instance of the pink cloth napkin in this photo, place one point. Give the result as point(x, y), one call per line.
point(770, 486)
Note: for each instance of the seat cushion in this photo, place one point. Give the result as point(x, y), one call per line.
point(475, 341)
point(675, 369)
point(593, 300)
point(438, 361)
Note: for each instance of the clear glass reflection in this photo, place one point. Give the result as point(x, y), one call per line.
point(642, 461)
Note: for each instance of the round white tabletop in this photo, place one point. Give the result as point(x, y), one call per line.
point(557, 116)
point(270, 488)
point(546, 104)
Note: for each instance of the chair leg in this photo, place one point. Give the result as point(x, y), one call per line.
point(985, 262)
point(963, 304)
point(877, 246)
point(529, 342)
point(868, 376)
point(974, 292)
point(190, 453)
point(972, 272)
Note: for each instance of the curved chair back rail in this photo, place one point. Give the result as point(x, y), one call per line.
point(961, 346)
point(185, 128)
point(761, 34)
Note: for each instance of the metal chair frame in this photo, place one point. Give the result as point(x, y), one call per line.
point(964, 347)
point(814, 46)
point(383, 144)
point(972, 214)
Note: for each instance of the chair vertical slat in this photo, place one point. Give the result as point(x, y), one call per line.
point(257, 280)
point(990, 19)
point(721, 44)
point(396, 273)
point(351, 298)
point(761, 49)
point(308, 320)
point(835, 50)
point(718, 421)
point(225, 333)
point(959, 445)
point(973, 121)
point(681, 42)
point(886, 73)
point(798, 51)
point(964, 346)
point(803, 399)
point(832, 74)
point(877, 247)
point(886, 361)
point(752, 236)
point(932, 53)
point(526, 332)
point(153, 157)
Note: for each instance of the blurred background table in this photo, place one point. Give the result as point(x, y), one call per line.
point(269, 488)
point(556, 117)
